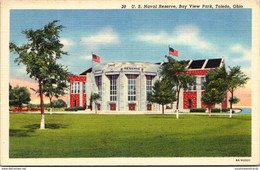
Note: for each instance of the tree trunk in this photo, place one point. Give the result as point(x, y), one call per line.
point(95, 107)
point(162, 109)
point(50, 105)
point(209, 110)
point(42, 108)
point(230, 111)
point(178, 94)
point(177, 105)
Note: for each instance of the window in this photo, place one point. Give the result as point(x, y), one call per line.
point(193, 87)
point(149, 86)
point(190, 102)
point(203, 80)
point(72, 87)
point(131, 87)
point(99, 85)
point(113, 89)
point(84, 87)
point(78, 87)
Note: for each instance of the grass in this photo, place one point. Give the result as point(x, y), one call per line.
point(129, 136)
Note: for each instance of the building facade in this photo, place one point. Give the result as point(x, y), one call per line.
point(124, 86)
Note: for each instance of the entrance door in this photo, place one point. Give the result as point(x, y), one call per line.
point(190, 103)
point(112, 106)
point(131, 106)
point(75, 101)
point(149, 106)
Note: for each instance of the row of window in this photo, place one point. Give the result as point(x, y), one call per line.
point(194, 86)
point(75, 87)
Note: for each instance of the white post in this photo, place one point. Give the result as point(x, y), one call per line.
point(177, 114)
point(230, 113)
point(42, 122)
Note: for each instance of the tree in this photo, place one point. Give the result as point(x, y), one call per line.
point(174, 71)
point(57, 83)
point(235, 78)
point(39, 54)
point(18, 96)
point(93, 98)
point(59, 103)
point(215, 87)
point(162, 93)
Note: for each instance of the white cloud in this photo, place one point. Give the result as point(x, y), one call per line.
point(89, 57)
point(181, 35)
point(106, 36)
point(67, 43)
point(246, 53)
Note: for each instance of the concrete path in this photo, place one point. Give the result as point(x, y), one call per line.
point(123, 112)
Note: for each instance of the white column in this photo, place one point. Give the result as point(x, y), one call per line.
point(88, 88)
point(122, 91)
point(198, 80)
point(80, 94)
point(68, 95)
point(105, 92)
point(142, 92)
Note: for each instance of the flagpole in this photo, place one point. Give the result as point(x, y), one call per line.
point(92, 80)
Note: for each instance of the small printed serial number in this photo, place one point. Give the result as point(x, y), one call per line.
point(238, 160)
point(13, 168)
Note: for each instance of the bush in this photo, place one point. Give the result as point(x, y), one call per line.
point(198, 110)
point(75, 108)
point(58, 103)
point(71, 109)
point(215, 110)
point(81, 108)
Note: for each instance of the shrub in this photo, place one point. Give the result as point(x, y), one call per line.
point(75, 108)
point(58, 103)
point(198, 110)
point(215, 110)
point(71, 109)
point(81, 108)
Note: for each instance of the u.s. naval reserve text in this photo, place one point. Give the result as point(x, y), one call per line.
point(181, 6)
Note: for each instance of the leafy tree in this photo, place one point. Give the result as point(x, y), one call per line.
point(215, 87)
point(93, 98)
point(174, 71)
point(163, 93)
point(57, 83)
point(234, 100)
point(235, 78)
point(40, 54)
point(59, 103)
point(18, 96)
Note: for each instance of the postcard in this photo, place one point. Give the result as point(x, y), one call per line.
point(130, 83)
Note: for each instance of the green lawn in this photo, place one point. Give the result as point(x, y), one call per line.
point(129, 136)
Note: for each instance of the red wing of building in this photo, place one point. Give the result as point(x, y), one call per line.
point(77, 91)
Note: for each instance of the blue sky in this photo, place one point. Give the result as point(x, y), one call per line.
point(141, 35)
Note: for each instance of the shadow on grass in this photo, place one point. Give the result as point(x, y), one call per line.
point(47, 126)
point(32, 128)
point(19, 133)
point(163, 116)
